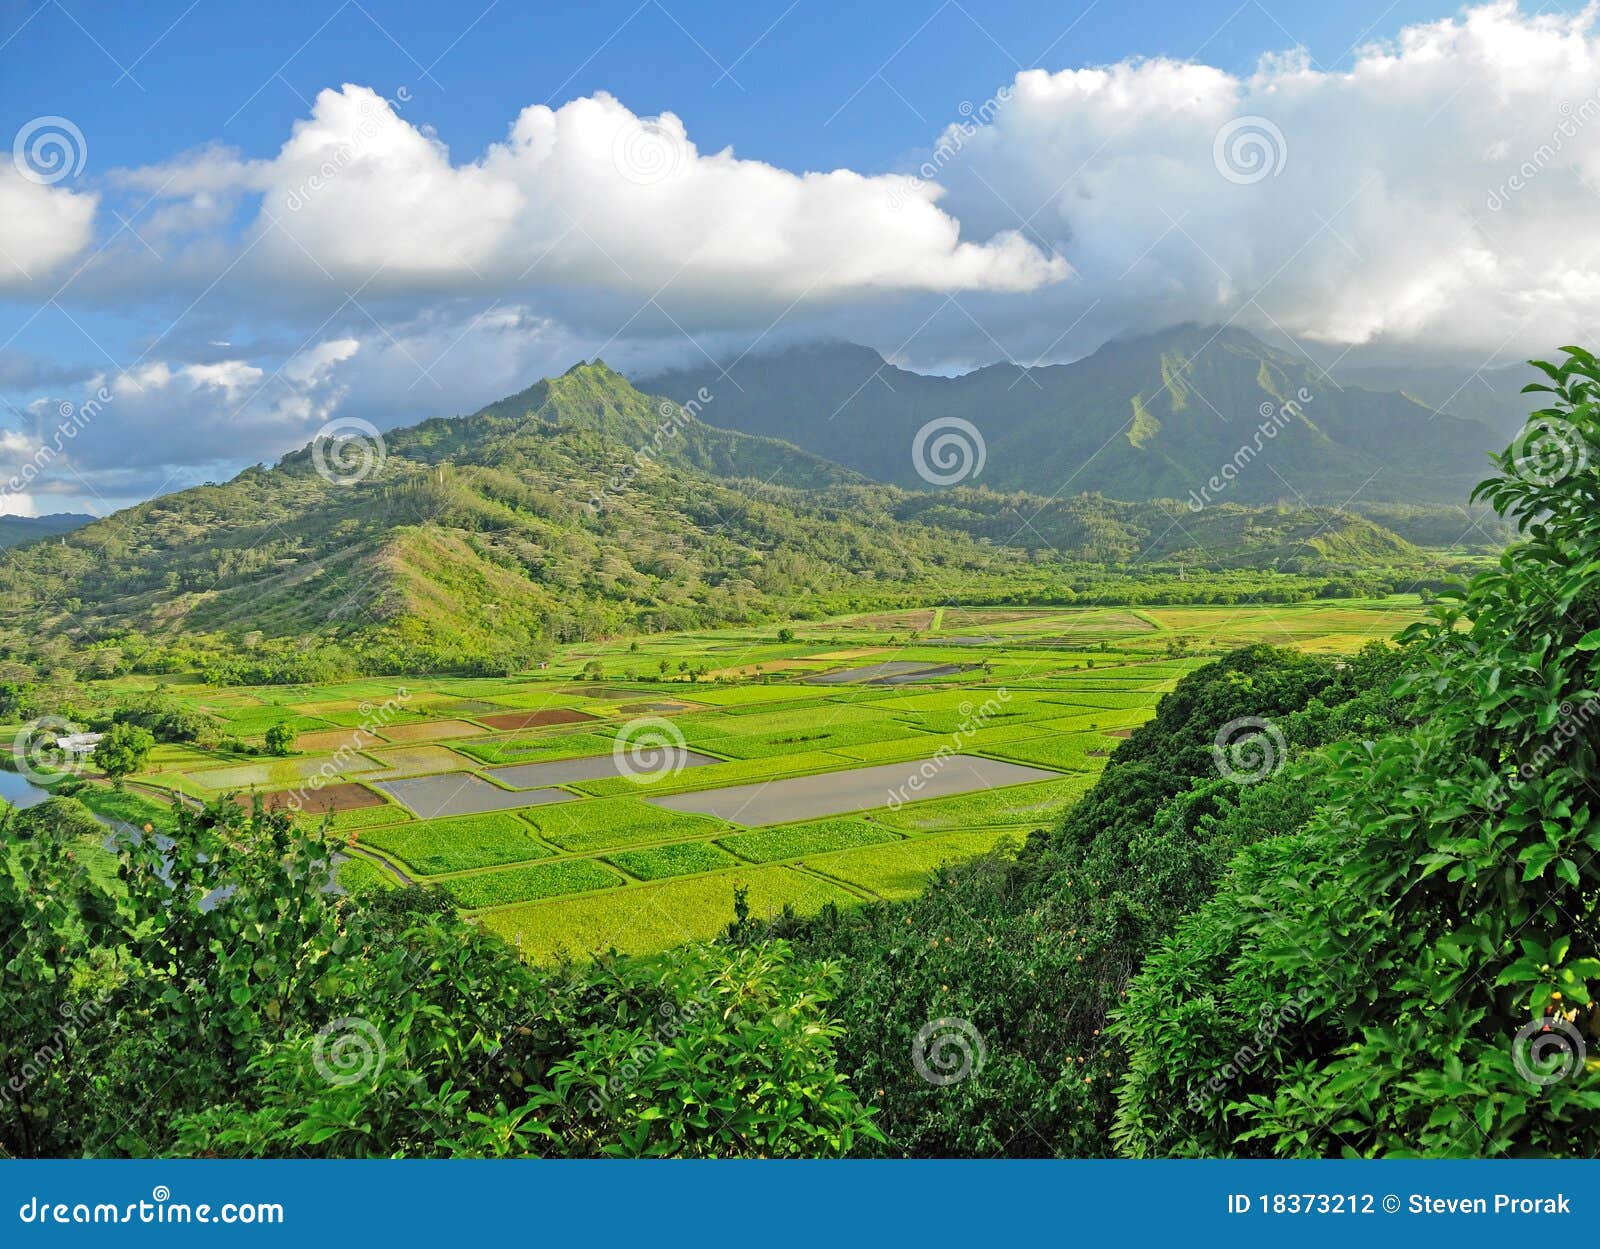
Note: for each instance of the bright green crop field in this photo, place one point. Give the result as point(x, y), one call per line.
point(588, 860)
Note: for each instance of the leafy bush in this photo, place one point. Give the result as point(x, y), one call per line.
point(279, 739)
point(1416, 970)
point(166, 720)
point(283, 1019)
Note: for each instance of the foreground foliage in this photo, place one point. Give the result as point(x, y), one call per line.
point(220, 998)
point(1416, 971)
point(1035, 954)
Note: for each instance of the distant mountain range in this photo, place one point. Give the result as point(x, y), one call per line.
point(583, 507)
point(1140, 419)
point(15, 529)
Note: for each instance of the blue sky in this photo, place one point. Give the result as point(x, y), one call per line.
point(193, 256)
point(796, 84)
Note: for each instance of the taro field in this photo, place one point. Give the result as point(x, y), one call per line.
point(617, 797)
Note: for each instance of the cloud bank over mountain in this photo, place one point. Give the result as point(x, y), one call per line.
point(1435, 195)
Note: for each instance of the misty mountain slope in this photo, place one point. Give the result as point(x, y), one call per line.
point(1491, 396)
point(1140, 419)
point(18, 529)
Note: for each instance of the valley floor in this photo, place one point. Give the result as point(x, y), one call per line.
point(618, 797)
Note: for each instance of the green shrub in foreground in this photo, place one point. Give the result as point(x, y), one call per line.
point(1375, 984)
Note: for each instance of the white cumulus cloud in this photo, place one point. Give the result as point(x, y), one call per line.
point(41, 227)
point(1441, 192)
point(585, 198)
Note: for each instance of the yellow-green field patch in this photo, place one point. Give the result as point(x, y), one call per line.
point(646, 919)
point(431, 731)
point(901, 870)
point(415, 761)
point(458, 844)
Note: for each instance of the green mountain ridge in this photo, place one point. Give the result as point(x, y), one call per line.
point(582, 508)
point(19, 529)
point(1143, 418)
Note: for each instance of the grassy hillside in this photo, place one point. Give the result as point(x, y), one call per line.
point(561, 512)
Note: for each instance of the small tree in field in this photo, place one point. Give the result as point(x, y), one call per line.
point(123, 749)
point(280, 739)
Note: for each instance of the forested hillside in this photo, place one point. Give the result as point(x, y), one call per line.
point(581, 508)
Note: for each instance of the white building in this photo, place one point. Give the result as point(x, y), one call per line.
point(78, 745)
